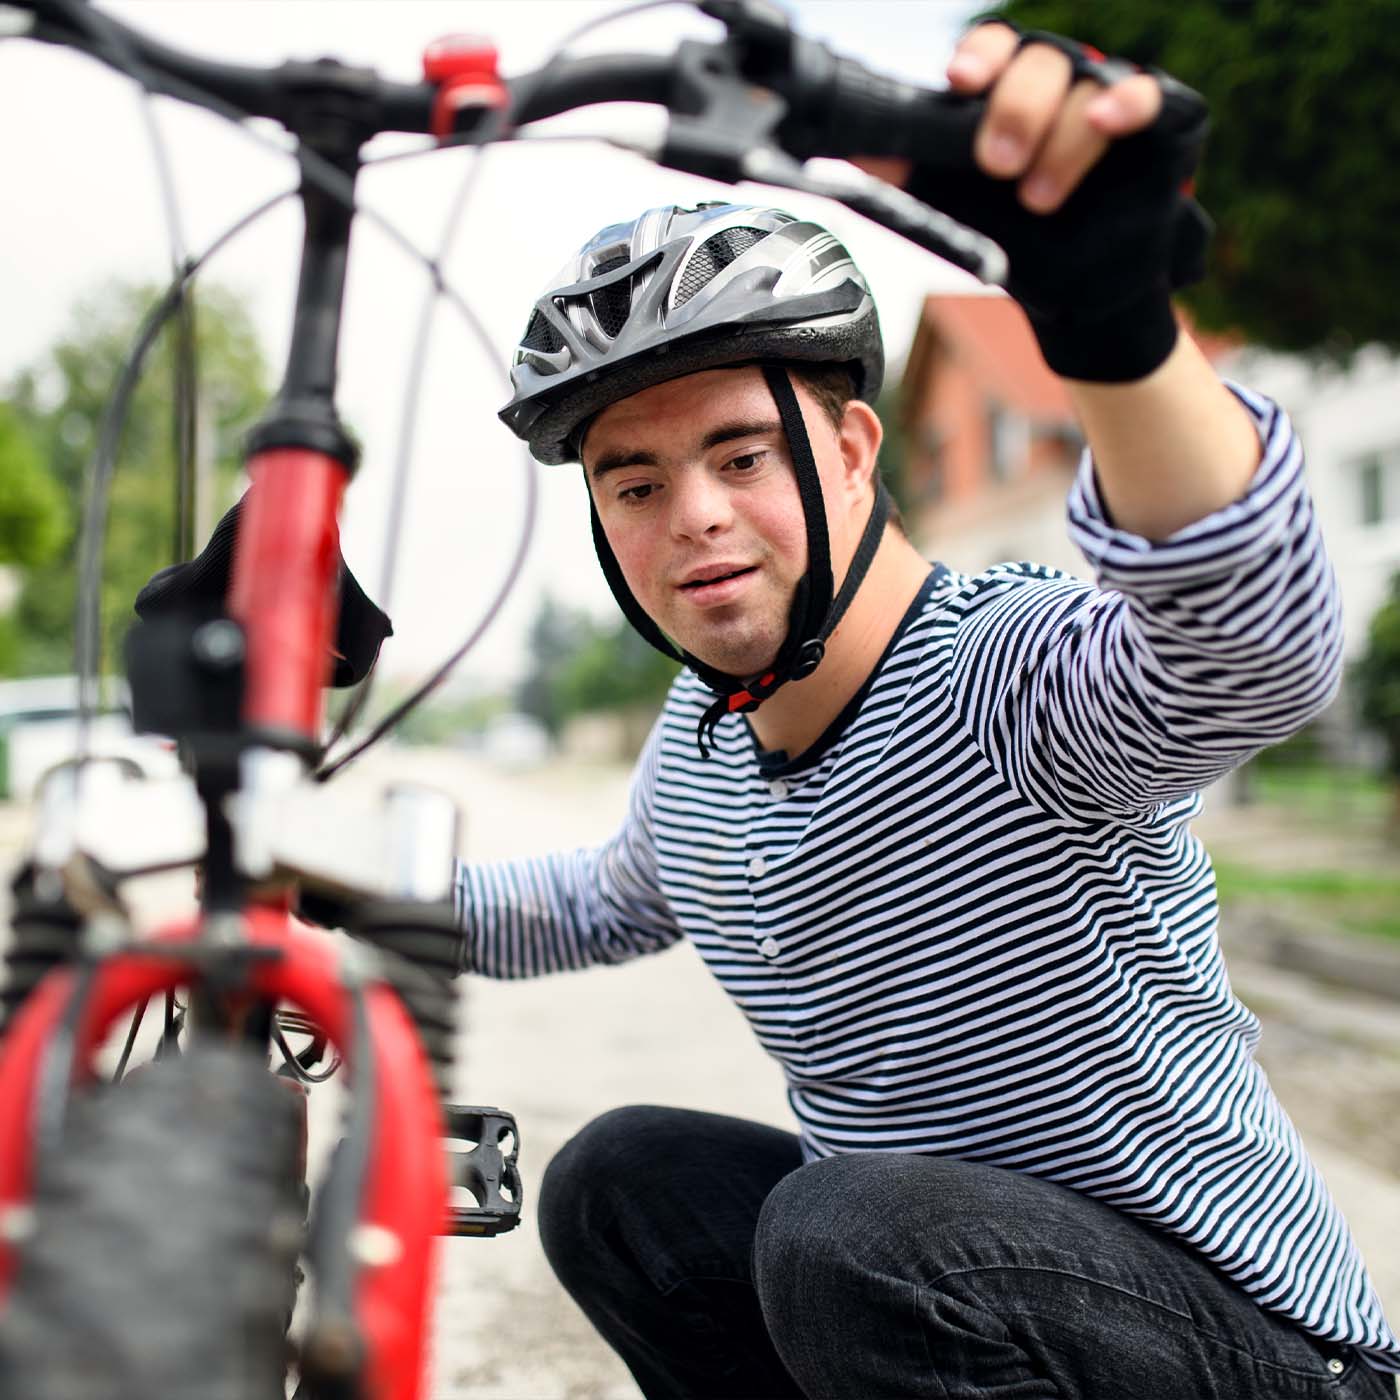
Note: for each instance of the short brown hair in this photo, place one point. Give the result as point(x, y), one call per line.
point(833, 387)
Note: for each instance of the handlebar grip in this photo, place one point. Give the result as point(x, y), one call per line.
point(839, 107)
point(872, 114)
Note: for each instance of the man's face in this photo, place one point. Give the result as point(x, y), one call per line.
point(695, 488)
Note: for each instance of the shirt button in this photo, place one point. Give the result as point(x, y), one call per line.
point(778, 788)
point(769, 948)
point(758, 867)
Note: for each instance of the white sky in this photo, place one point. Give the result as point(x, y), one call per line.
point(79, 204)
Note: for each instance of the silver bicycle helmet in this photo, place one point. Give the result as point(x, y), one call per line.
point(680, 290)
point(683, 290)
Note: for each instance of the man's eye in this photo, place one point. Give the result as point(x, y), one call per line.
point(746, 461)
point(637, 493)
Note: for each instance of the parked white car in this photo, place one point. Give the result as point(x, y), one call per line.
point(39, 729)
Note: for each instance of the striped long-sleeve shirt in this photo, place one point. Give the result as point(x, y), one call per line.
point(972, 920)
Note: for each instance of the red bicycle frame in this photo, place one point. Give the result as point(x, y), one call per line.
point(284, 586)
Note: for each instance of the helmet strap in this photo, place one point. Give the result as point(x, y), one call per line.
point(813, 615)
point(815, 599)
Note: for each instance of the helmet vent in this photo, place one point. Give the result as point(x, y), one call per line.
point(541, 336)
point(611, 305)
point(713, 256)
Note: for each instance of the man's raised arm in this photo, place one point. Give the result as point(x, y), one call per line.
point(1169, 449)
point(1080, 166)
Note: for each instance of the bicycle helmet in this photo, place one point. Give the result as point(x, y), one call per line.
point(677, 291)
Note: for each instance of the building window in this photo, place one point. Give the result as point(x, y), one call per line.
point(1371, 484)
point(1063, 441)
point(929, 485)
point(1009, 436)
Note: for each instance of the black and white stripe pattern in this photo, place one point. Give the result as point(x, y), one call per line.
point(978, 924)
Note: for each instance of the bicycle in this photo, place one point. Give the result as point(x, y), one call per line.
point(208, 1135)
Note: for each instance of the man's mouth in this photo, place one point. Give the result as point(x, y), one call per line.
point(711, 577)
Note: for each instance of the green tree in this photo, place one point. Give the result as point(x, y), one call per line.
point(614, 669)
point(555, 635)
point(581, 666)
point(1375, 679)
point(60, 402)
point(893, 453)
point(1299, 174)
point(34, 521)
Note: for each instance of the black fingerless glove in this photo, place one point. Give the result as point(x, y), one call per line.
point(1095, 277)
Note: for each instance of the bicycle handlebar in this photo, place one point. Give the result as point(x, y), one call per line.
point(752, 105)
point(839, 107)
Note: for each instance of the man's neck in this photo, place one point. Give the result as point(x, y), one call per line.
point(802, 711)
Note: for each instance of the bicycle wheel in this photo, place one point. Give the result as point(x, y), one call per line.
point(167, 1233)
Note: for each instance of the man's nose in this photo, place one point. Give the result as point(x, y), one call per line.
point(700, 505)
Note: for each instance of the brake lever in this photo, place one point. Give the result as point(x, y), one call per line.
point(726, 129)
point(890, 207)
point(716, 116)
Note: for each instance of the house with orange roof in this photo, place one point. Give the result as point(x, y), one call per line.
point(991, 442)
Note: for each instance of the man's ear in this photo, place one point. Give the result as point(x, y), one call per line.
point(860, 435)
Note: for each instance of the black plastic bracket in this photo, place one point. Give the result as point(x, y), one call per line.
point(186, 675)
point(719, 119)
point(306, 422)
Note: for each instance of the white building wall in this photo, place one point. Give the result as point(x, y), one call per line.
point(1017, 520)
point(1344, 418)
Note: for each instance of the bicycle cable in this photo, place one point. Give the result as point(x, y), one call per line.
point(338, 186)
point(501, 132)
point(292, 1061)
point(88, 611)
point(94, 523)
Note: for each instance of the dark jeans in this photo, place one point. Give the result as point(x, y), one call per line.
point(717, 1265)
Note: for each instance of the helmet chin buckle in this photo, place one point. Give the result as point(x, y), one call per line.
point(809, 657)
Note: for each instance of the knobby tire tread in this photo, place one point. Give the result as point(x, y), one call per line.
point(163, 1261)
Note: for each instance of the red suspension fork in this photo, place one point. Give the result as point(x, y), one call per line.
point(406, 1193)
point(285, 586)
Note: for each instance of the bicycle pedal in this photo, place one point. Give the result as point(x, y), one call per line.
point(481, 1170)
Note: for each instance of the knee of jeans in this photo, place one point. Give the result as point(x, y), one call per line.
point(842, 1214)
point(591, 1177)
point(808, 1225)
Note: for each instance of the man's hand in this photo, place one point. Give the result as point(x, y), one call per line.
point(1078, 178)
point(1078, 169)
point(1041, 127)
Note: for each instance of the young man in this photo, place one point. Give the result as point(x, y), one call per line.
point(931, 831)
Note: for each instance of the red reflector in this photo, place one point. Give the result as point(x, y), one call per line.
point(463, 68)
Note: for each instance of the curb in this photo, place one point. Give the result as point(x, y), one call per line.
point(1353, 962)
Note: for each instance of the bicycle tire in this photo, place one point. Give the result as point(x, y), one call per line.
point(167, 1231)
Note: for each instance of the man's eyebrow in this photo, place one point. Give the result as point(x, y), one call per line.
point(725, 432)
point(624, 457)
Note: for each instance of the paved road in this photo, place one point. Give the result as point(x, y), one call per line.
point(561, 1050)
